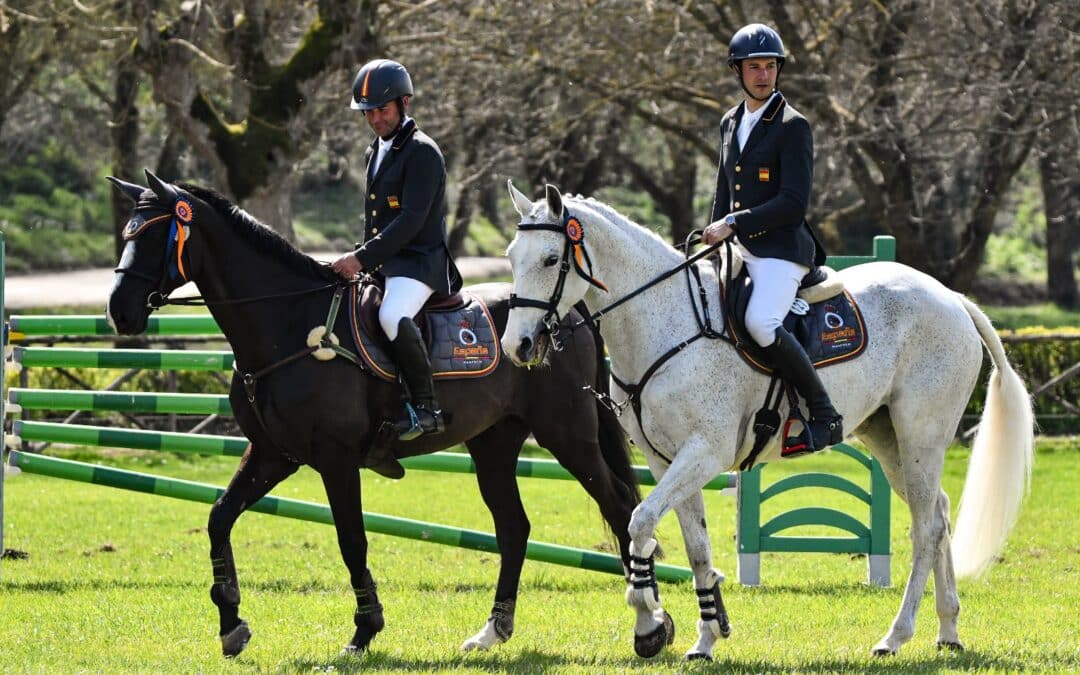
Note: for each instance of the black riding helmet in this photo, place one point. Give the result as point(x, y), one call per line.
point(379, 82)
point(755, 41)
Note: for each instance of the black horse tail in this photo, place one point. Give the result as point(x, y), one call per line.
point(614, 445)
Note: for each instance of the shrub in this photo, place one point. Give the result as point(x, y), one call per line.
point(1037, 362)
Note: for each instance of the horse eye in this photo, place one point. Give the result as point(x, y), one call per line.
point(551, 261)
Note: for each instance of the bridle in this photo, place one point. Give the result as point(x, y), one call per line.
point(574, 234)
point(575, 238)
point(180, 218)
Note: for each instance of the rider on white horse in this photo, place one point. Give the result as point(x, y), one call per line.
point(762, 192)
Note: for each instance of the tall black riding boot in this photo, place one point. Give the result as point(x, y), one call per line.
point(826, 425)
point(422, 413)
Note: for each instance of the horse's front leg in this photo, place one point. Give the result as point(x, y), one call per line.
point(694, 464)
point(257, 474)
point(342, 482)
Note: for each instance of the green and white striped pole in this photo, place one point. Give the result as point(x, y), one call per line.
point(121, 401)
point(318, 513)
point(206, 444)
point(96, 324)
point(149, 359)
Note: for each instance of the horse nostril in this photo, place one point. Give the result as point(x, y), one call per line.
point(524, 349)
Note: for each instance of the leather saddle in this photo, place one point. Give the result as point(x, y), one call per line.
point(829, 324)
point(460, 335)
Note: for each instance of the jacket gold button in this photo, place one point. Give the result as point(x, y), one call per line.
point(737, 205)
point(738, 168)
point(371, 196)
point(374, 213)
point(737, 186)
point(374, 230)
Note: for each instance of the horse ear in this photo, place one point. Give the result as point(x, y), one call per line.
point(521, 203)
point(130, 190)
point(164, 191)
point(554, 200)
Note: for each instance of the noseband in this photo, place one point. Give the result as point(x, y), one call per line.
point(574, 234)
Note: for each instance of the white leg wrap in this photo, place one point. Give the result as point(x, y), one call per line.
point(484, 640)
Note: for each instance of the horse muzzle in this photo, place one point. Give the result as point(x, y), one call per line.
point(127, 310)
point(527, 350)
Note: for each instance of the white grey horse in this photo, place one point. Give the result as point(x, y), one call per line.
point(903, 397)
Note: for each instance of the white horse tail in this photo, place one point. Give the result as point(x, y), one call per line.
point(999, 473)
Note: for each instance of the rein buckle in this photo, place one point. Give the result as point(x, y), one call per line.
point(552, 327)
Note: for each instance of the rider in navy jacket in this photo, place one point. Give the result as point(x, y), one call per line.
point(404, 237)
point(404, 214)
point(763, 188)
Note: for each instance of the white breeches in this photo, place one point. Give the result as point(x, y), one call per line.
point(776, 282)
point(403, 298)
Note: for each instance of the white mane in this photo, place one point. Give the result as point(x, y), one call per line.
point(621, 222)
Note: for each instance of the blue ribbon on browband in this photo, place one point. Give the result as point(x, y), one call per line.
point(174, 272)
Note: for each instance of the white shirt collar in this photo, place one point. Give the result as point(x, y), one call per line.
point(385, 144)
point(749, 119)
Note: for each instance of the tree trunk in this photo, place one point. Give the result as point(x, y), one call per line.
point(673, 189)
point(271, 202)
point(124, 130)
point(1061, 197)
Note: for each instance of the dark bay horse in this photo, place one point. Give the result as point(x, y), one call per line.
point(266, 296)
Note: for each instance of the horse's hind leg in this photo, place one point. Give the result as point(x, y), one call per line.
point(256, 475)
point(878, 434)
point(921, 437)
point(495, 453)
point(945, 595)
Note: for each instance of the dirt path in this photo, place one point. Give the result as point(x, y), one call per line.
point(90, 288)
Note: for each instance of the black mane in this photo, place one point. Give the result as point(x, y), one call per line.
point(264, 238)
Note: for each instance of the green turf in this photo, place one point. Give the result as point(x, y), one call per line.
point(117, 582)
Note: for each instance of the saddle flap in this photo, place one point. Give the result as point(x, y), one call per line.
point(831, 331)
point(458, 330)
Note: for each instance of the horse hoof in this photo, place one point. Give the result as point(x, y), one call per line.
point(352, 650)
point(950, 646)
point(698, 656)
point(650, 644)
point(883, 651)
point(233, 642)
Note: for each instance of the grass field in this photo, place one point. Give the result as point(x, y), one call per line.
point(118, 582)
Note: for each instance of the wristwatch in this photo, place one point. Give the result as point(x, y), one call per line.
point(729, 220)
